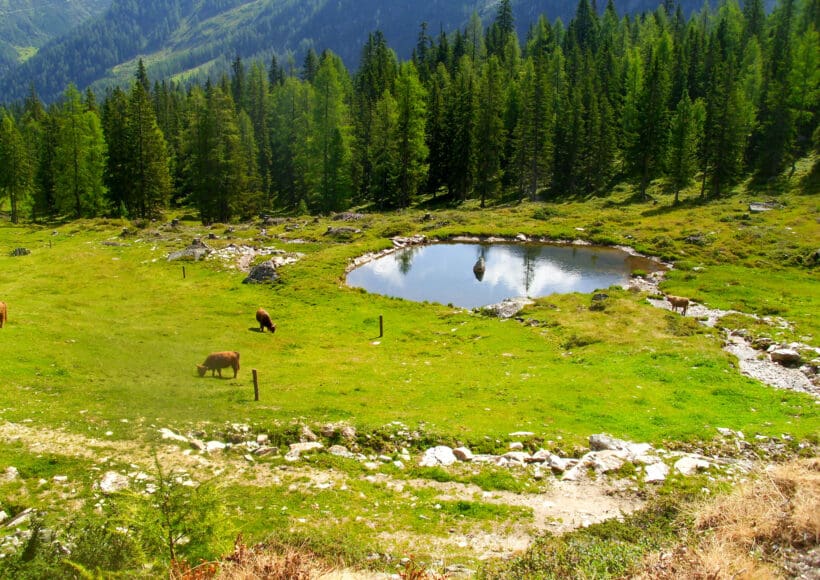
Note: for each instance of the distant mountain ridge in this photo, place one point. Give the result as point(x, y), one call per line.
point(193, 37)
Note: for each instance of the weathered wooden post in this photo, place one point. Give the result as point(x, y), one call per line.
point(183, 272)
point(381, 326)
point(255, 385)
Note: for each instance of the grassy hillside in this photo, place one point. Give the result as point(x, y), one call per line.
point(26, 25)
point(104, 334)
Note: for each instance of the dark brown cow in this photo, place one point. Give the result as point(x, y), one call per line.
point(217, 361)
point(4, 314)
point(264, 320)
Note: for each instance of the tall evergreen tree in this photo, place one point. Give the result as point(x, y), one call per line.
point(409, 136)
point(215, 162)
point(79, 159)
point(436, 129)
point(147, 175)
point(646, 153)
point(460, 120)
point(331, 141)
point(376, 74)
point(115, 129)
point(490, 131)
point(772, 143)
point(684, 138)
point(16, 170)
point(726, 109)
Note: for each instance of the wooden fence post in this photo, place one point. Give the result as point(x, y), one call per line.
point(183, 272)
point(381, 326)
point(255, 385)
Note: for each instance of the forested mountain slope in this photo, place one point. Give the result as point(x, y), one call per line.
point(26, 25)
point(191, 37)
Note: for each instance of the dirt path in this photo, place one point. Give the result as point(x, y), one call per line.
point(564, 505)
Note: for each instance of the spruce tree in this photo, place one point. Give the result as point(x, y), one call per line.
point(16, 170)
point(490, 131)
point(79, 159)
point(409, 136)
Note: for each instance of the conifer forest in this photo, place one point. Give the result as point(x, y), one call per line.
point(667, 102)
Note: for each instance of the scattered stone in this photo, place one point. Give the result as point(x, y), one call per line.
point(505, 309)
point(348, 217)
point(463, 454)
point(212, 446)
point(689, 465)
point(516, 445)
point(456, 571)
point(169, 434)
point(518, 457)
point(262, 438)
point(198, 249)
point(398, 464)
point(328, 430)
point(522, 434)
point(17, 252)
point(656, 472)
point(785, 356)
point(112, 482)
point(348, 432)
point(607, 460)
point(305, 446)
point(341, 231)
point(561, 464)
point(540, 456)
point(385, 459)
point(761, 206)
point(307, 435)
point(21, 518)
point(198, 444)
point(262, 273)
point(10, 474)
point(435, 456)
point(762, 342)
point(603, 442)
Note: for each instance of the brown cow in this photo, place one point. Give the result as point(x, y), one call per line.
point(217, 361)
point(263, 318)
point(4, 314)
point(678, 302)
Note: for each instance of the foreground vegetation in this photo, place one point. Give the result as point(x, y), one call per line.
point(104, 334)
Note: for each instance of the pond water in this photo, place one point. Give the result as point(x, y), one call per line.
point(453, 273)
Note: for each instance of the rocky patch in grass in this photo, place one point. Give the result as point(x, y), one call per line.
point(793, 366)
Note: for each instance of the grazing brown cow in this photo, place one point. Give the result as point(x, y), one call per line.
point(4, 314)
point(263, 318)
point(217, 361)
point(678, 302)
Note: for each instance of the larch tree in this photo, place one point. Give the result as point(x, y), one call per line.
point(331, 137)
point(16, 170)
point(410, 135)
point(490, 131)
point(79, 159)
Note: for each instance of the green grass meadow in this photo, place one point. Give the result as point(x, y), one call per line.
point(104, 335)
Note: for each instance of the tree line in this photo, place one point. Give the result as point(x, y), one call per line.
point(477, 114)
